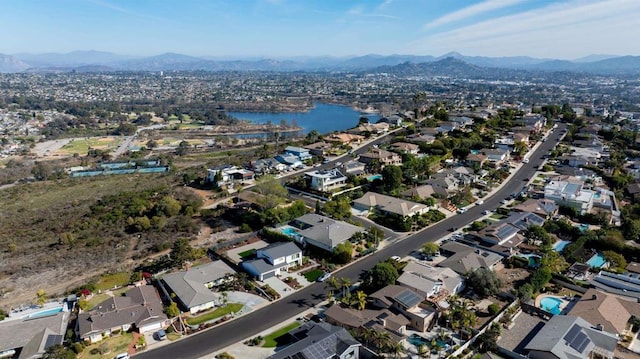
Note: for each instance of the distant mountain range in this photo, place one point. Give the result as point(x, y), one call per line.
point(96, 61)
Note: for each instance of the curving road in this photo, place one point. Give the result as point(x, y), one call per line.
point(198, 345)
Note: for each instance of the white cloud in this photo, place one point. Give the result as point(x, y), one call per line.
point(559, 30)
point(360, 11)
point(471, 11)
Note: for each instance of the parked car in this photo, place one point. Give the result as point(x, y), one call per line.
point(479, 202)
point(122, 356)
point(161, 334)
point(396, 258)
point(485, 212)
point(324, 276)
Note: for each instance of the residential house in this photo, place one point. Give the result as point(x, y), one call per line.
point(570, 337)
point(291, 161)
point(505, 233)
point(382, 321)
point(393, 120)
point(405, 147)
point(140, 308)
point(326, 180)
point(579, 173)
point(407, 302)
point(544, 208)
point(462, 121)
point(300, 152)
point(463, 259)
point(31, 336)
point(375, 128)
point(383, 157)
point(319, 341)
point(571, 194)
point(476, 159)
point(496, 156)
point(320, 149)
point(533, 122)
point(612, 313)
point(193, 287)
point(431, 281)
point(422, 192)
point(634, 190)
point(633, 267)
point(372, 201)
point(273, 260)
point(227, 175)
point(353, 167)
point(323, 232)
point(268, 165)
point(421, 138)
point(447, 126)
point(344, 138)
point(579, 271)
point(521, 137)
point(622, 284)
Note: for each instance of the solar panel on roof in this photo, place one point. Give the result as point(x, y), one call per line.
point(571, 335)
point(506, 231)
point(52, 340)
point(580, 342)
point(408, 299)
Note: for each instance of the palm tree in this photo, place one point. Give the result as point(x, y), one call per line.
point(361, 299)
point(381, 339)
point(395, 349)
point(345, 283)
point(332, 283)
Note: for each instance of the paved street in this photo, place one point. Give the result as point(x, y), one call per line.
point(270, 316)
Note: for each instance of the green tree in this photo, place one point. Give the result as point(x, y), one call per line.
point(430, 248)
point(381, 275)
point(181, 252)
point(616, 260)
point(391, 178)
point(538, 235)
point(125, 129)
point(172, 310)
point(361, 299)
point(58, 351)
point(375, 234)
point(484, 282)
point(169, 206)
point(554, 261)
point(272, 191)
point(41, 297)
point(343, 252)
point(338, 208)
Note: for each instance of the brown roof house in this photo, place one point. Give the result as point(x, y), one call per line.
point(372, 201)
point(382, 320)
point(405, 301)
point(612, 313)
point(140, 308)
point(384, 157)
point(404, 147)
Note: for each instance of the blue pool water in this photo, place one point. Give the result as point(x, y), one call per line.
point(289, 231)
point(417, 340)
point(43, 313)
point(373, 178)
point(596, 195)
point(551, 305)
point(475, 152)
point(534, 259)
point(583, 227)
point(559, 246)
point(597, 261)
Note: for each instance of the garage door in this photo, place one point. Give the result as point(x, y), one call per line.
point(150, 327)
point(269, 275)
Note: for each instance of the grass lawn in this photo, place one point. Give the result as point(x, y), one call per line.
point(219, 312)
point(247, 253)
point(313, 275)
point(116, 344)
point(497, 216)
point(82, 145)
point(109, 281)
point(270, 341)
point(99, 298)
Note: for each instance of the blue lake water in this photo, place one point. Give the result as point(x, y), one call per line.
point(323, 118)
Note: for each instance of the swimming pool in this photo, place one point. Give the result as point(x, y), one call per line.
point(373, 178)
point(534, 259)
point(289, 231)
point(43, 313)
point(583, 227)
point(597, 261)
point(418, 341)
point(551, 305)
point(559, 245)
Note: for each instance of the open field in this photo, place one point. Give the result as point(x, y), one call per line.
point(81, 145)
point(38, 239)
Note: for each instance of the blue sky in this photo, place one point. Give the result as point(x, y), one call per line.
point(565, 29)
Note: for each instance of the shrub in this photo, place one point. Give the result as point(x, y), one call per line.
point(78, 347)
point(493, 309)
